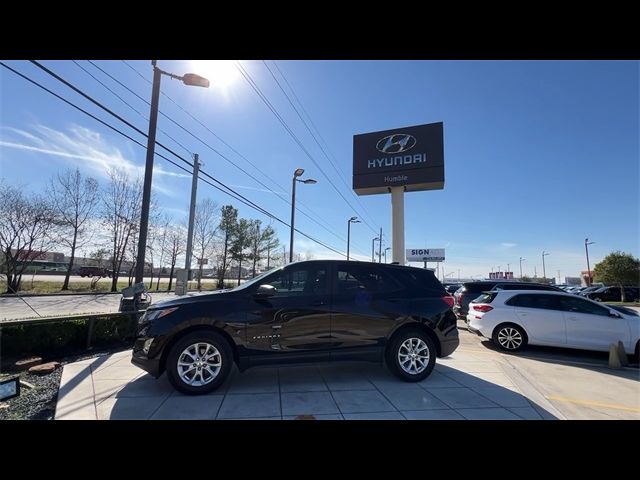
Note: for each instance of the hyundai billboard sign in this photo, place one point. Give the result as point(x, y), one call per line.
point(410, 157)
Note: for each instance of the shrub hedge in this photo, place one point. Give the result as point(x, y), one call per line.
point(65, 337)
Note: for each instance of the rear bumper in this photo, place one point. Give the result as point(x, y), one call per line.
point(448, 345)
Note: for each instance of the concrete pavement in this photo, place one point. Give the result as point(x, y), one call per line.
point(463, 386)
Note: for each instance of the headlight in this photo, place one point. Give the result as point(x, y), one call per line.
point(151, 315)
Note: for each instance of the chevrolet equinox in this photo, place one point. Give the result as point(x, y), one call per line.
point(313, 311)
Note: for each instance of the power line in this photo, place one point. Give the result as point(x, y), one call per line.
point(322, 149)
point(266, 101)
point(229, 191)
point(130, 106)
point(285, 199)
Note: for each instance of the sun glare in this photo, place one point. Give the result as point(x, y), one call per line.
point(221, 73)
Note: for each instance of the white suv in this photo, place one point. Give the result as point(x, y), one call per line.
point(515, 318)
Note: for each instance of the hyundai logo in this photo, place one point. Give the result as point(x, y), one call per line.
point(396, 143)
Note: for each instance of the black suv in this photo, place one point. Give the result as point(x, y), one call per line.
point(472, 290)
point(304, 312)
point(612, 294)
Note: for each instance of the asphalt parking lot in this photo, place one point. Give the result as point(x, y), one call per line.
point(476, 382)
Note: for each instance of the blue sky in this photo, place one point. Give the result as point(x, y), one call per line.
point(538, 154)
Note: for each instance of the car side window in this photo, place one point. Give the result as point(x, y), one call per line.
point(544, 302)
point(299, 281)
point(354, 279)
point(579, 305)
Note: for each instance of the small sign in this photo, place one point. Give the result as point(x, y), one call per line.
point(9, 388)
point(425, 255)
point(203, 261)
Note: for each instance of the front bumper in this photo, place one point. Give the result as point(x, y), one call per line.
point(149, 365)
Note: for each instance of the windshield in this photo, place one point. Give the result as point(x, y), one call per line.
point(256, 280)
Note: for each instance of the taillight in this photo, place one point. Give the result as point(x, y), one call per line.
point(481, 307)
point(448, 299)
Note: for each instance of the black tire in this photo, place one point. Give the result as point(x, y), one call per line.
point(509, 337)
point(393, 351)
point(201, 336)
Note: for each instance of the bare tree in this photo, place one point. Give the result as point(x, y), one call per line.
point(25, 224)
point(121, 213)
point(162, 246)
point(74, 200)
point(261, 241)
point(204, 231)
point(176, 243)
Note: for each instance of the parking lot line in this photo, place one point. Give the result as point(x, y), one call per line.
point(595, 404)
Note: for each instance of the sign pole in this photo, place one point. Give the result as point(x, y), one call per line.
point(397, 224)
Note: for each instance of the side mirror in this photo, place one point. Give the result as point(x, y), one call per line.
point(265, 291)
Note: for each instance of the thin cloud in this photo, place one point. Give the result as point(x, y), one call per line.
point(84, 148)
point(508, 245)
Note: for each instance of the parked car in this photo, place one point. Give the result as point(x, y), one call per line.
point(452, 287)
point(612, 294)
point(306, 311)
point(94, 272)
point(589, 290)
point(471, 290)
point(513, 319)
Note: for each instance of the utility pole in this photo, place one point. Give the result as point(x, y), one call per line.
point(380, 247)
point(521, 259)
point(192, 214)
point(559, 281)
point(284, 255)
point(586, 249)
point(544, 270)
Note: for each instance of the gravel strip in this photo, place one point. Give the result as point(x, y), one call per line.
point(39, 403)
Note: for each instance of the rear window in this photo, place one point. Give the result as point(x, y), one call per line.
point(418, 279)
point(486, 297)
point(479, 287)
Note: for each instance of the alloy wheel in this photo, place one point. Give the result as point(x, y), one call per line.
point(413, 356)
point(199, 364)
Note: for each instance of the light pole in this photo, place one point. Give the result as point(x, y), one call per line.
point(385, 254)
point(188, 79)
point(544, 271)
point(311, 181)
point(373, 248)
point(521, 259)
point(351, 220)
point(586, 249)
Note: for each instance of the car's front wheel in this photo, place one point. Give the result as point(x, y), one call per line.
point(509, 337)
point(199, 363)
point(411, 355)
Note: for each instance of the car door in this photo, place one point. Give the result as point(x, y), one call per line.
point(294, 321)
point(590, 326)
point(542, 317)
point(367, 303)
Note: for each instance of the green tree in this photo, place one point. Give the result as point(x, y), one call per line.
point(227, 228)
point(240, 242)
point(620, 269)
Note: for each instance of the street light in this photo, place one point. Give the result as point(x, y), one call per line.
point(385, 254)
point(521, 259)
point(188, 79)
point(586, 249)
point(351, 220)
point(544, 271)
point(373, 247)
point(308, 181)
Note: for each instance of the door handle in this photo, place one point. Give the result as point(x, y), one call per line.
point(318, 303)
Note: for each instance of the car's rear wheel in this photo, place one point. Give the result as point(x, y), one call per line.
point(411, 355)
point(199, 363)
point(509, 337)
